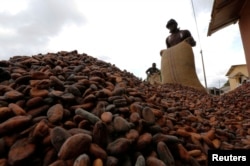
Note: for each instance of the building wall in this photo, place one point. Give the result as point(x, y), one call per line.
point(244, 25)
point(234, 79)
point(233, 83)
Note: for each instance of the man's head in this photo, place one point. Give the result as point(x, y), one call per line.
point(171, 22)
point(153, 64)
point(172, 25)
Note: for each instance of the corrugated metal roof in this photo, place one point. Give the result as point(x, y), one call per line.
point(224, 13)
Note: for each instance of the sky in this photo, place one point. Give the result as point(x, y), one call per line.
point(127, 33)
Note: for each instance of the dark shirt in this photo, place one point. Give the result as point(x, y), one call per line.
point(152, 70)
point(177, 37)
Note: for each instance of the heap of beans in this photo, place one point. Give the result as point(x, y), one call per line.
point(65, 108)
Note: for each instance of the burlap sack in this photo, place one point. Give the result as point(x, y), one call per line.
point(177, 66)
point(154, 78)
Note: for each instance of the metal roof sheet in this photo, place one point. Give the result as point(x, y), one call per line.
point(224, 13)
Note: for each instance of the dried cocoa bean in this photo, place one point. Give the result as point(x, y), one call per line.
point(97, 151)
point(58, 136)
point(55, 113)
point(152, 161)
point(165, 154)
point(82, 160)
point(89, 116)
point(20, 152)
point(143, 141)
point(14, 123)
point(121, 124)
point(140, 161)
point(119, 146)
point(74, 146)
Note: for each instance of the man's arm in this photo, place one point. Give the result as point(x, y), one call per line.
point(168, 45)
point(189, 38)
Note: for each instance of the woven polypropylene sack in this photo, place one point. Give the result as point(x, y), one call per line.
point(177, 66)
point(154, 78)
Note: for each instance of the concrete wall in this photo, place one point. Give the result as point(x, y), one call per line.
point(244, 25)
point(234, 79)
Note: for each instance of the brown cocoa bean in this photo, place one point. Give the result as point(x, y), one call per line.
point(184, 155)
point(3, 162)
point(194, 153)
point(148, 115)
point(58, 136)
point(74, 146)
point(121, 124)
point(140, 161)
point(34, 92)
point(40, 130)
point(55, 113)
point(97, 151)
point(17, 109)
point(152, 161)
point(132, 135)
point(50, 157)
point(106, 117)
point(165, 154)
point(5, 113)
point(14, 123)
point(143, 141)
point(97, 162)
point(82, 160)
point(20, 151)
point(89, 116)
point(13, 95)
point(119, 146)
point(35, 101)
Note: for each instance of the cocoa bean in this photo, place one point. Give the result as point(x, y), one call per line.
point(55, 113)
point(92, 118)
point(13, 95)
point(143, 141)
point(140, 161)
point(120, 124)
point(74, 146)
point(14, 123)
point(119, 146)
point(132, 135)
point(148, 115)
point(17, 109)
point(58, 136)
point(152, 161)
point(20, 152)
point(35, 101)
point(5, 113)
point(97, 162)
point(165, 154)
point(82, 160)
point(106, 117)
point(112, 161)
point(97, 151)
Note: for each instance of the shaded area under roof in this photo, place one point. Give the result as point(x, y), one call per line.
point(224, 13)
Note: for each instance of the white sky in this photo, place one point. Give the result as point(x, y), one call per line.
point(127, 33)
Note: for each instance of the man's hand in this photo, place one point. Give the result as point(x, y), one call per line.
point(161, 52)
point(190, 41)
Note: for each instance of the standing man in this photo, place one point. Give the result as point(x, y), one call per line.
point(177, 61)
point(152, 70)
point(153, 75)
point(178, 35)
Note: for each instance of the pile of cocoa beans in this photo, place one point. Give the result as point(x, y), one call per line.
point(70, 109)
